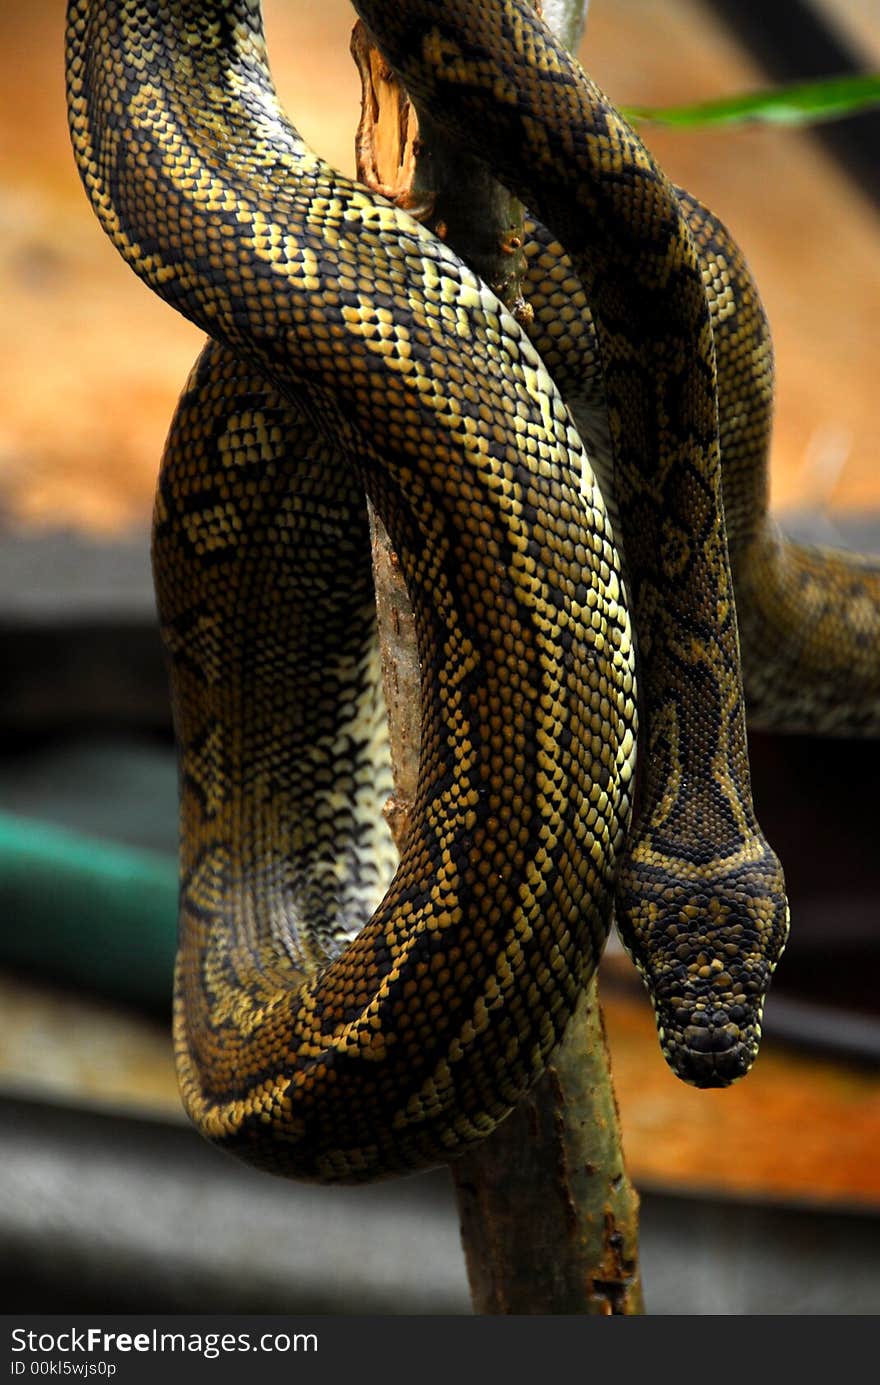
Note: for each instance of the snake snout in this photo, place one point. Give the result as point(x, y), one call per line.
point(714, 1052)
point(708, 1041)
point(707, 950)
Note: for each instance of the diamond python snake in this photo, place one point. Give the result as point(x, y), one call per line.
point(319, 1033)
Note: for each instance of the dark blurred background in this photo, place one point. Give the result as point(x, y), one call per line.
point(760, 1199)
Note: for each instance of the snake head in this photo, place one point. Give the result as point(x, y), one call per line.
point(706, 946)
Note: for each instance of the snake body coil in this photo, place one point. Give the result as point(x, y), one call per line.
point(352, 351)
point(808, 617)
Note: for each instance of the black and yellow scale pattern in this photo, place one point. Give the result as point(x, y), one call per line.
point(352, 352)
point(808, 617)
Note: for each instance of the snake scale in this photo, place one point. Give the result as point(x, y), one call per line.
point(319, 1033)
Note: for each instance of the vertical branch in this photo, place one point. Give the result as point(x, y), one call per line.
point(549, 1219)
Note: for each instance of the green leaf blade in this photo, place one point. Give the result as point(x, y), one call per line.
point(800, 104)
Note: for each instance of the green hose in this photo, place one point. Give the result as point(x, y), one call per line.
point(87, 912)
